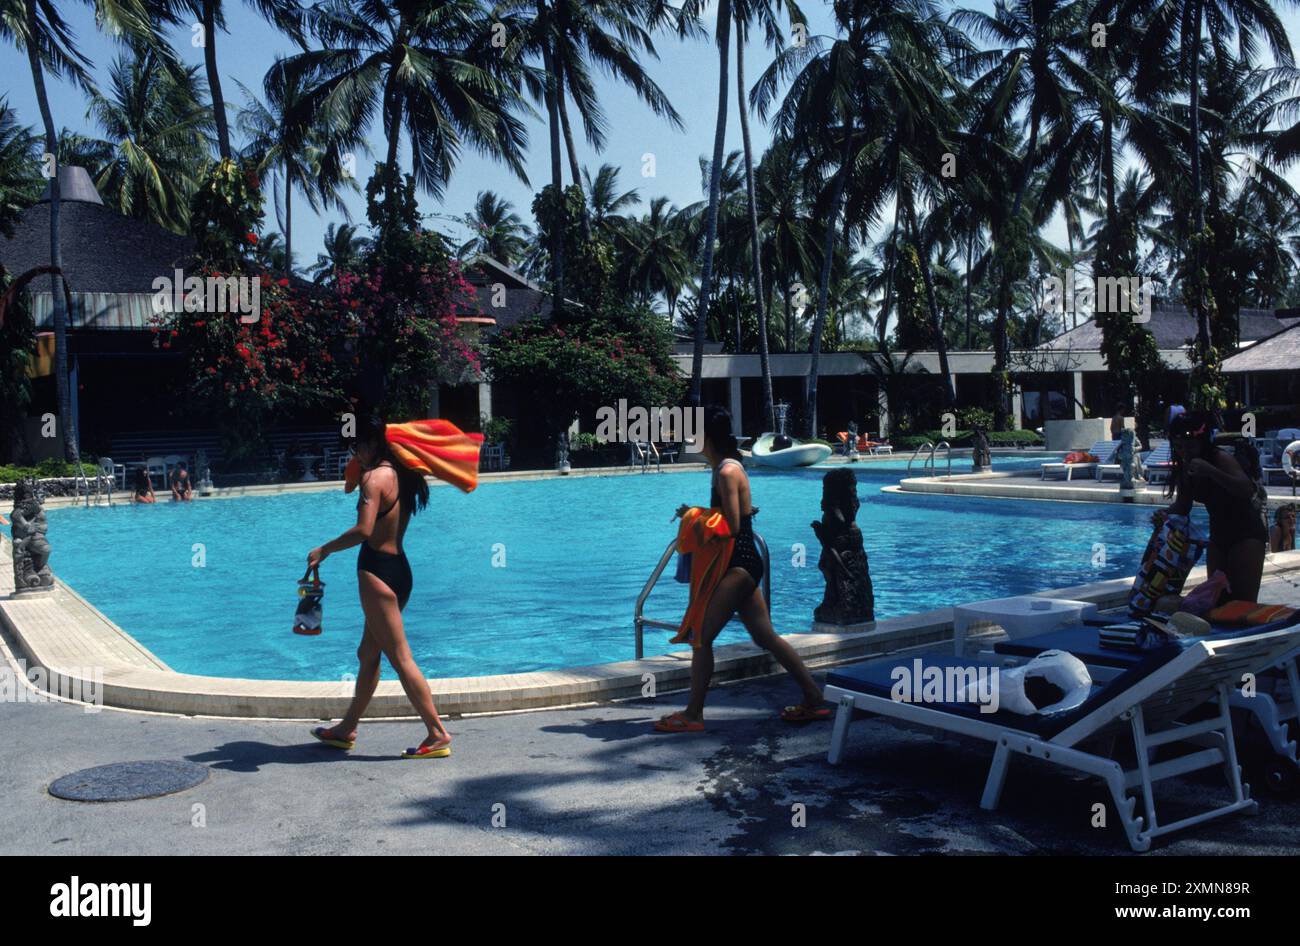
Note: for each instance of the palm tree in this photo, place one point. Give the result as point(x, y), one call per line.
point(839, 102)
point(39, 29)
point(605, 203)
point(786, 223)
point(20, 185)
point(1173, 29)
point(427, 69)
point(497, 230)
point(745, 12)
point(656, 261)
point(571, 37)
point(1033, 67)
point(285, 15)
point(344, 248)
point(309, 156)
point(156, 137)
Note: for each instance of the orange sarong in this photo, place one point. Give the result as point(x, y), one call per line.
point(436, 447)
point(706, 537)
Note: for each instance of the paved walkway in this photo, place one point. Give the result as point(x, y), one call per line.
point(586, 780)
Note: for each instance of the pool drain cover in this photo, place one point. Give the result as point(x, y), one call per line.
point(126, 781)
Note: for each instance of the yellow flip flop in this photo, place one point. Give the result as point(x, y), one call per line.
point(427, 752)
point(319, 733)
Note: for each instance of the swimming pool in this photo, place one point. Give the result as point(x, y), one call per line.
point(544, 574)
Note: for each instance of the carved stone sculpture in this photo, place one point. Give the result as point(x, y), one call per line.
point(852, 445)
point(1124, 457)
point(849, 598)
point(31, 547)
point(562, 452)
point(981, 457)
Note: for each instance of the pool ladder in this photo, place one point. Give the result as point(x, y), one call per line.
point(929, 460)
point(640, 622)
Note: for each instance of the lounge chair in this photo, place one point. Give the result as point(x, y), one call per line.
point(1158, 463)
point(1150, 700)
point(1103, 450)
point(1274, 705)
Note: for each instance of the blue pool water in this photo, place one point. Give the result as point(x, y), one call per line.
point(576, 553)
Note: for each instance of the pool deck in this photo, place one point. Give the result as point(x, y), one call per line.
point(82, 651)
point(590, 780)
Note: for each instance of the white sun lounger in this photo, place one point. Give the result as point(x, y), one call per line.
point(1103, 450)
point(1157, 464)
point(1150, 700)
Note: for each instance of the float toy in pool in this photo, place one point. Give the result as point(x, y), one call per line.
point(436, 447)
point(706, 537)
point(1169, 557)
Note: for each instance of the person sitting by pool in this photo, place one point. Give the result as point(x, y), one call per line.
point(390, 494)
point(1281, 535)
point(143, 488)
point(738, 589)
point(1203, 473)
point(182, 489)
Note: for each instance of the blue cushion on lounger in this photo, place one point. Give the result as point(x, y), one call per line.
point(875, 678)
point(1083, 641)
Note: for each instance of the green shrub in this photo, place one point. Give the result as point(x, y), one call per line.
point(46, 469)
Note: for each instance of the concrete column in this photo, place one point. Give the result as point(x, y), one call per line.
point(735, 406)
point(882, 401)
point(1077, 378)
point(485, 401)
point(1017, 408)
point(434, 400)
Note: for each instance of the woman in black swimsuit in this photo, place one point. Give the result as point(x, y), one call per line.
point(1203, 473)
point(390, 495)
point(738, 592)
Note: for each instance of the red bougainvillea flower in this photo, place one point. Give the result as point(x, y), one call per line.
point(283, 282)
point(252, 238)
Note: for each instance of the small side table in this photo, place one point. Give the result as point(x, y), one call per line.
point(1019, 617)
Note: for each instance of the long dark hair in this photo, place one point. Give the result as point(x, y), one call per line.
point(717, 430)
point(1196, 425)
point(412, 488)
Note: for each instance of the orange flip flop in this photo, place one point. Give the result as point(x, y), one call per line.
point(319, 733)
point(676, 722)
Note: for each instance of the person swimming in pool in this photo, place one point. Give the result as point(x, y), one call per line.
point(390, 494)
point(738, 591)
point(1281, 535)
point(1203, 473)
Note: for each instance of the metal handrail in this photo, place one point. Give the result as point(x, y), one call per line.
point(947, 449)
point(640, 622)
point(917, 451)
point(928, 463)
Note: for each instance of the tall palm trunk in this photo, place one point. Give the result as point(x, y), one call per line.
point(715, 195)
point(1194, 127)
point(824, 280)
point(557, 176)
point(936, 319)
point(765, 365)
point(214, 77)
point(970, 249)
point(891, 261)
point(573, 156)
point(288, 219)
point(66, 431)
point(789, 314)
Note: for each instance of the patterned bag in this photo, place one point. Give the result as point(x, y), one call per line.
point(311, 591)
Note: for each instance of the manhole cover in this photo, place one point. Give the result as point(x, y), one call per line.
point(125, 781)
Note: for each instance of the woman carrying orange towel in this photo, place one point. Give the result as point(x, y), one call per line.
point(737, 591)
point(391, 493)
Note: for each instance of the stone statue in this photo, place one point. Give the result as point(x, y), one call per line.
point(849, 597)
point(852, 446)
point(562, 452)
point(1124, 457)
point(981, 458)
point(31, 547)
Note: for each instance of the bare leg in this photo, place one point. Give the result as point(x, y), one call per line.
point(1244, 566)
point(384, 620)
point(368, 655)
point(759, 624)
point(735, 586)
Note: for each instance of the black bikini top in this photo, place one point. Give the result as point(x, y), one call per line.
point(361, 497)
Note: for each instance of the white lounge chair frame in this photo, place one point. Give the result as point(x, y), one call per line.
point(1152, 707)
point(1103, 450)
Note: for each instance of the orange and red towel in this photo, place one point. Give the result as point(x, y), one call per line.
point(706, 537)
point(1250, 613)
point(436, 447)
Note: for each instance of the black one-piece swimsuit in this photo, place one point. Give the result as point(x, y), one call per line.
point(391, 568)
point(744, 553)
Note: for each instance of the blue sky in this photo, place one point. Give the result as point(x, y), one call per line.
point(687, 72)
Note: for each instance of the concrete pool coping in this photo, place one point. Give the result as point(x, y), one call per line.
point(82, 652)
